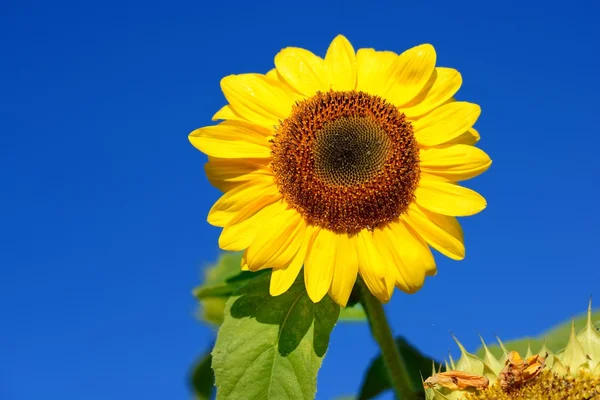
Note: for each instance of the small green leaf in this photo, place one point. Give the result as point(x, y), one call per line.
point(353, 314)
point(272, 347)
point(376, 379)
point(226, 287)
point(212, 310)
point(220, 282)
point(203, 379)
point(228, 265)
point(556, 338)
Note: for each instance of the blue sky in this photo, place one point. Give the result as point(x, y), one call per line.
point(104, 201)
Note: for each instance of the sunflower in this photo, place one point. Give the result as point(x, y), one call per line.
point(571, 373)
point(347, 165)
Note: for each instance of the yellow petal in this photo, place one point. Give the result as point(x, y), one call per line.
point(445, 123)
point(276, 80)
point(341, 63)
point(448, 198)
point(302, 70)
point(227, 113)
point(282, 279)
point(412, 256)
point(409, 73)
point(470, 137)
point(257, 98)
point(445, 83)
point(239, 235)
point(389, 256)
point(244, 265)
point(248, 196)
point(265, 132)
point(225, 174)
point(278, 242)
point(456, 163)
point(345, 270)
point(272, 74)
point(441, 232)
point(371, 68)
point(319, 264)
point(372, 267)
point(230, 141)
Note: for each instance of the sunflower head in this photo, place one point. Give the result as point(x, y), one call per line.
point(345, 165)
point(346, 161)
point(572, 373)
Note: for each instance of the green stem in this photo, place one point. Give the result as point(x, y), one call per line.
point(395, 365)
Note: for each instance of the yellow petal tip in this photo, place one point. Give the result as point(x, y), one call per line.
point(275, 291)
point(315, 296)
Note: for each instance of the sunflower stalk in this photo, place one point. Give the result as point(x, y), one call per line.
point(380, 328)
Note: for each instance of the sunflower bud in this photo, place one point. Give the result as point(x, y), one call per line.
point(572, 373)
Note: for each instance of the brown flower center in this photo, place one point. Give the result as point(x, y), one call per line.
point(346, 161)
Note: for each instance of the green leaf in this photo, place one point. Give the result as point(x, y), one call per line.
point(376, 379)
point(213, 309)
point(228, 265)
point(556, 338)
point(226, 287)
point(220, 282)
point(272, 347)
point(203, 379)
point(353, 314)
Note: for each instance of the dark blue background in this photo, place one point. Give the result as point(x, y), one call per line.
point(103, 208)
